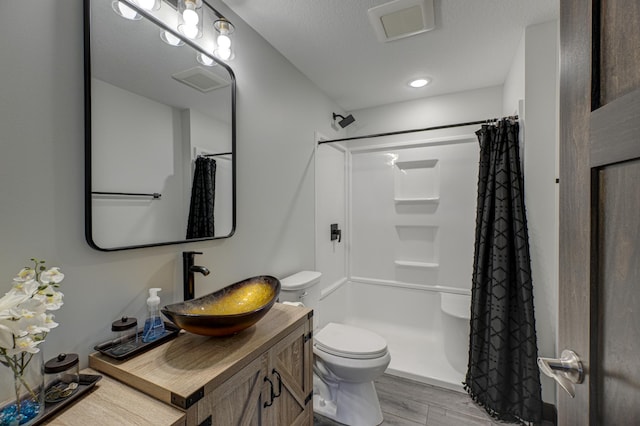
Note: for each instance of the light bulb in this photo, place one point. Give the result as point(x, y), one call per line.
point(170, 39)
point(147, 4)
point(205, 60)
point(223, 53)
point(125, 11)
point(420, 82)
point(190, 31)
point(190, 16)
point(224, 42)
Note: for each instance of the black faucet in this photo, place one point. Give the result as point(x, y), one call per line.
point(188, 269)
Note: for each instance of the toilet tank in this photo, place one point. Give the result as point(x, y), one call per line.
point(302, 287)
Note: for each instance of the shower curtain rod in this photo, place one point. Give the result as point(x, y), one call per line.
point(400, 132)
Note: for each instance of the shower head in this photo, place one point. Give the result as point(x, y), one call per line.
point(345, 120)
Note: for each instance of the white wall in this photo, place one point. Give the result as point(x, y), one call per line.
point(42, 175)
point(142, 137)
point(458, 107)
point(434, 111)
point(533, 78)
point(412, 222)
point(541, 190)
point(331, 201)
point(332, 181)
point(514, 85)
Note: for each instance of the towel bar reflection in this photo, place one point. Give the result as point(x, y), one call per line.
point(216, 155)
point(154, 195)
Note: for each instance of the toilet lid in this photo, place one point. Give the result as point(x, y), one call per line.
point(350, 342)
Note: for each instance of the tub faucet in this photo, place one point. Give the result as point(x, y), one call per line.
point(188, 269)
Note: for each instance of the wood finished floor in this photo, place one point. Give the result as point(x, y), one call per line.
point(409, 403)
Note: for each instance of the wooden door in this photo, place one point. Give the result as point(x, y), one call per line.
point(290, 369)
point(599, 278)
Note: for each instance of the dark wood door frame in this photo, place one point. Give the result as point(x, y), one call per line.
point(599, 137)
point(574, 219)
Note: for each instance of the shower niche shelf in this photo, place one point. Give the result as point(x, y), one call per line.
point(414, 264)
point(417, 181)
point(426, 200)
point(416, 247)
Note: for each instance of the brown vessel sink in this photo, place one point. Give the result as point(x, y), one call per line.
point(227, 311)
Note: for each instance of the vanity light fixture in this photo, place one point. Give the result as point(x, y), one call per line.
point(419, 82)
point(190, 24)
point(190, 18)
point(122, 9)
point(223, 48)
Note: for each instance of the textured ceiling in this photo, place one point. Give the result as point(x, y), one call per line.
point(333, 43)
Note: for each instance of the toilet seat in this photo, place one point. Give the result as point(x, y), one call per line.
point(350, 342)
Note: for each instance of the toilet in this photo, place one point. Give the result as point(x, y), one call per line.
point(347, 359)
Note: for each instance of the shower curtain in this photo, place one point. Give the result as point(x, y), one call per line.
point(502, 374)
point(203, 196)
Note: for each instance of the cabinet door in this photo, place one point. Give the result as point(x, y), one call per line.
point(290, 369)
point(238, 401)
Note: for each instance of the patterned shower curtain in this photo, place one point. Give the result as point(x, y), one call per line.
point(502, 374)
point(203, 197)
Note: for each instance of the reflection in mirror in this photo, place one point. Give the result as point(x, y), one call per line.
point(160, 127)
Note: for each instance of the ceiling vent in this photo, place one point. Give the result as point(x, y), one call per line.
point(200, 79)
point(402, 18)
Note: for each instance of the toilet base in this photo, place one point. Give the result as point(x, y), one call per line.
point(356, 404)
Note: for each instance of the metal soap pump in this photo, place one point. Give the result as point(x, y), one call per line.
point(153, 326)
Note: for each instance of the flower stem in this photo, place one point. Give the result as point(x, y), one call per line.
point(18, 367)
point(16, 386)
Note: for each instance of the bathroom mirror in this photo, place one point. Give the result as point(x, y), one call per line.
point(152, 108)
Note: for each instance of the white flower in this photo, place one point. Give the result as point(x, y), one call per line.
point(53, 275)
point(6, 336)
point(24, 320)
point(9, 301)
point(25, 344)
point(51, 298)
point(25, 274)
point(26, 287)
point(33, 323)
point(49, 322)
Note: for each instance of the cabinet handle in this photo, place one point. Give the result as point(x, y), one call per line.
point(279, 384)
point(270, 403)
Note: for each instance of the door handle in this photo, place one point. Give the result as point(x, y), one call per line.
point(270, 403)
point(273, 396)
point(566, 370)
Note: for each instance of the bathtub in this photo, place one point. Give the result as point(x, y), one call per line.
point(426, 327)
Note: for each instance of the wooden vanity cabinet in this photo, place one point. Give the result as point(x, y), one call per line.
point(262, 376)
point(274, 389)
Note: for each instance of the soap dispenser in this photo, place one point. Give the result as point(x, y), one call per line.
point(153, 326)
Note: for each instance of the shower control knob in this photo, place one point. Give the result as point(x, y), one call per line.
point(336, 233)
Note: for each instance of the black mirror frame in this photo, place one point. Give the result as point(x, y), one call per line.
point(88, 211)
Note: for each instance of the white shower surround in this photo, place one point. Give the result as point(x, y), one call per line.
point(408, 245)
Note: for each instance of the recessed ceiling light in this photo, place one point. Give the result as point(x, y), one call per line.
point(419, 82)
